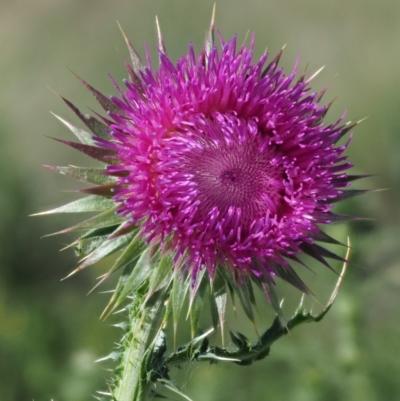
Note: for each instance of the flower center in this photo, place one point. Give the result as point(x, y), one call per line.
point(240, 175)
point(229, 176)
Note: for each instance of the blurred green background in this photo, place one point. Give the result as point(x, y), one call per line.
point(50, 333)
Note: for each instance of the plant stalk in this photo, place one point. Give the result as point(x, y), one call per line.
point(145, 322)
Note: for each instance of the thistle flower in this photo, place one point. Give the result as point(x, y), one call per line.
point(218, 173)
point(218, 167)
point(226, 160)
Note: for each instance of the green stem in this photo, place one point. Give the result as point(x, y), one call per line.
point(145, 322)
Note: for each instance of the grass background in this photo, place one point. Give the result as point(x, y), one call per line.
point(50, 333)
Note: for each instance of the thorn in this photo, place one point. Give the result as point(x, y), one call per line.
point(245, 38)
point(161, 46)
point(256, 330)
point(54, 91)
point(40, 213)
point(302, 76)
point(210, 34)
point(274, 63)
point(70, 245)
point(314, 75)
point(61, 119)
point(206, 334)
point(321, 94)
point(107, 292)
point(137, 63)
point(360, 121)
point(341, 275)
point(101, 281)
point(72, 273)
point(329, 105)
point(301, 301)
point(119, 311)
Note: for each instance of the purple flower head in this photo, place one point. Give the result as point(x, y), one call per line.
point(219, 164)
point(218, 173)
point(225, 161)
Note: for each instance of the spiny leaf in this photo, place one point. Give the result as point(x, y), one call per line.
point(180, 287)
point(87, 204)
point(83, 136)
point(331, 217)
point(327, 254)
point(267, 285)
point(86, 247)
point(131, 252)
point(320, 253)
point(169, 385)
point(133, 277)
point(113, 302)
point(161, 46)
point(105, 219)
point(217, 300)
point(137, 63)
point(270, 292)
point(168, 312)
point(240, 340)
point(348, 178)
point(85, 174)
point(91, 237)
point(322, 236)
point(161, 275)
point(347, 195)
point(346, 128)
point(321, 94)
point(107, 248)
point(313, 252)
point(301, 78)
point(106, 191)
point(244, 291)
point(246, 297)
point(230, 283)
point(213, 310)
point(102, 155)
point(220, 301)
point(103, 120)
point(291, 277)
point(133, 78)
point(196, 306)
point(210, 34)
point(273, 65)
point(103, 100)
point(194, 288)
point(98, 128)
point(124, 228)
point(99, 232)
